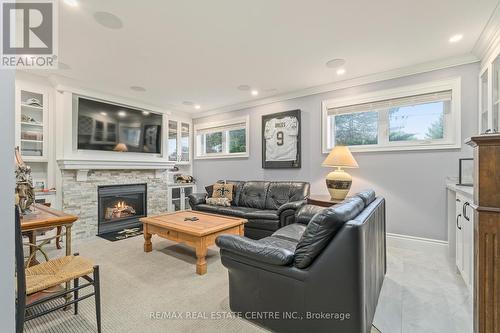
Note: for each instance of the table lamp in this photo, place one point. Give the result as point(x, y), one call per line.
point(338, 181)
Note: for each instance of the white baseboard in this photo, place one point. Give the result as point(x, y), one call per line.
point(417, 239)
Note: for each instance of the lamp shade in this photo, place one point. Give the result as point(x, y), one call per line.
point(121, 147)
point(340, 156)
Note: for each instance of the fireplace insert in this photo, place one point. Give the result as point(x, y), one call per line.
point(121, 206)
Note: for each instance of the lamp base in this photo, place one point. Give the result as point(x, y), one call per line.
point(338, 183)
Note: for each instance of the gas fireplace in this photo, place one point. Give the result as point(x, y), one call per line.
point(121, 206)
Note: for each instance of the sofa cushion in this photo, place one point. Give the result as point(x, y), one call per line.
point(323, 227)
point(224, 202)
point(292, 232)
point(238, 186)
point(258, 214)
point(367, 196)
point(306, 213)
point(287, 244)
point(210, 190)
point(208, 208)
point(235, 211)
point(253, 194)
point(267, 250)
point(271, 225)
point(280, 193)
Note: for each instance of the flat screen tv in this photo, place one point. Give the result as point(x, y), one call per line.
point(112, 127)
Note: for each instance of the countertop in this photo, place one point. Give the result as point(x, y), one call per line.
point(465, 190)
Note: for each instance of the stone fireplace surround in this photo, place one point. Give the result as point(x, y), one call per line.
point(80, 197)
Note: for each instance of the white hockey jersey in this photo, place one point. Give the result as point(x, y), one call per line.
point(281, 139)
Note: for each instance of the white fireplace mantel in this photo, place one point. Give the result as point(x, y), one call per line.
point(83, 166)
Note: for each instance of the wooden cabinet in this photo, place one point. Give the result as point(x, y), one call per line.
point(464, 239)
point(32, 119)
point(178, 196)
point(179, 141)
point(486, 232)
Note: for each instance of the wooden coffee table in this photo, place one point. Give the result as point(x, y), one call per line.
point(199, 234)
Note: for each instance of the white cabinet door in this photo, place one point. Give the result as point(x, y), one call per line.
point(173, 140)
point(459, 254)
point(174, 199)
point(468, 232)
point(178, 197)
point(184, 142)
point(179, 141)
point(185, 194)
point(465, 239)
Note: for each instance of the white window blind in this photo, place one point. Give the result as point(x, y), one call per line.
point(226, 128)
point(422, 116)
point(222, 140)
point(392, 103)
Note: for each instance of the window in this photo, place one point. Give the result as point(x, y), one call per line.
point(222, 139)
point(416, 117)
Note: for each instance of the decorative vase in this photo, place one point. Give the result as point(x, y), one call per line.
point(338, 183)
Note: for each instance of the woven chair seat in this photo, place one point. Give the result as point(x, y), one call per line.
point(56, 272)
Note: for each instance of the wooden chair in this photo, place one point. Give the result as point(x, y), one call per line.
point(36, 282)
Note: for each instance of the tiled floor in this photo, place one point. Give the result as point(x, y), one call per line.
point(422, 291)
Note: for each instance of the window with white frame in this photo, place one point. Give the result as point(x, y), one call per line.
point(415, 117)
point(222, 139)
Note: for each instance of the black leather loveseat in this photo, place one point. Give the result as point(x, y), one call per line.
point(267, 206)
point(321, 274)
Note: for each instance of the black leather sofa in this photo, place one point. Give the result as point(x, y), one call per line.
point(321, 274)
point(267, 206)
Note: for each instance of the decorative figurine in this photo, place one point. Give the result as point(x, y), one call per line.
point(24, 184)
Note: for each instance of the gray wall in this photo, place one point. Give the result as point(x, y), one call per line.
point(7, 286)
point(413, 182)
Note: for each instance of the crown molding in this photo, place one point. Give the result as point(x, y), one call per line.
point(382, 76)
point(489, 40)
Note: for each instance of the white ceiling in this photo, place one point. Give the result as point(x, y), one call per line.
point(201, 51)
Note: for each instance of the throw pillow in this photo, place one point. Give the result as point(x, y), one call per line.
point(219, 202)
point(210, 190)
point(223, 191)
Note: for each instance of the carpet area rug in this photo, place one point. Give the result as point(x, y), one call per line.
point(159, 291)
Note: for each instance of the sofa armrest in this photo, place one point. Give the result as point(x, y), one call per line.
point(292, 205)
point(255, 250)
point(197, 199)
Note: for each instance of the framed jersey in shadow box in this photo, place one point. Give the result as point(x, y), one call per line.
point(281, 140)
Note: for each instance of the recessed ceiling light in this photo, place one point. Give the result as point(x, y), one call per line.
point(187, 103)
point(335, 63)
point(197, 106)
point(108, 20)
point(72, 3)
point(244, 87)
point(255, 92)
point(138, 88)
point(456, 38)
point(104, 113)
point(145, 113)
point(340, 71)
point(122, 114)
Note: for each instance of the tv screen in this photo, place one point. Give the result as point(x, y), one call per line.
point(111, 127)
